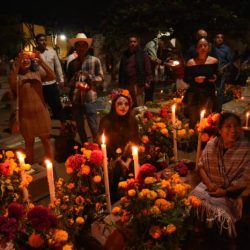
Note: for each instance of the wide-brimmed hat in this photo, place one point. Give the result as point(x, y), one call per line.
point(81, 37)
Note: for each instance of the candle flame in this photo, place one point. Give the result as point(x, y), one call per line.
point(103, 139)
point(173, 108)
point(203, 113)
point(175, 63)
point(247, 114)
point(20, 156)
point(48, 163)
point(134, 150)
point(161, 91)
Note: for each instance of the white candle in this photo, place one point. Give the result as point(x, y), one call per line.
point(198, 153)
point(136, 160)
point(106, 175)
point(174, 133)
point(21, 159)
point(247, 116)
point(50, 177)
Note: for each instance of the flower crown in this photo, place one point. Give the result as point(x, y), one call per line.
point(121, 92)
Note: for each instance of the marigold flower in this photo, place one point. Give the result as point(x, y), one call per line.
point(161, 193)
point(116, 210)
point(79, 200)
point(10, 154)
point(171, 228)
point(35, 240)
point(145, 139)
point(194, 201)
point(154, 210)
point(118, 151)
point(191, 131)
point(80, 220)
point(66, 198)
point(71, 221)
point(155, 232)
point(163, 204)
point(85, 170)
point(67, 247)
point(165, 184)
point(97, 179)
point(125, 92)
point(175, 178)
point(86, 152)
point(57, 202)
point(181, 132)
point(69, 170)
point(122, 184)
point(164, 131)
point(161, 125)
point(71, 185)
point(149, 180)
point(131, 192)
point(26, 167)
point(60, 236)
point(152, 195)
point(180, 190)
point(123, 200)
point(215, 117)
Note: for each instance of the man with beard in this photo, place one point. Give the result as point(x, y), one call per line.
point(135, 71)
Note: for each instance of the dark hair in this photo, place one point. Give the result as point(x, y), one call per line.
point(227, 115)
point(38, 36)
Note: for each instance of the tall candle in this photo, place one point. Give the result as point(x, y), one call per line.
point(21, 159)
point(105, 171)
point(174, 133)
point(247, 116)
point(50, 177)
point(198, 153)
point(136, 160)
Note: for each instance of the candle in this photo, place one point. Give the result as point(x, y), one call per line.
point(21, 159)
point(175, 63)
point(247, 116)
point(136, 160)
point(50, 177)
point(174, 133)
point(198, 153)
point(105, 171)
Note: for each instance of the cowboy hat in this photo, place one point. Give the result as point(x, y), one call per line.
point(81, 37)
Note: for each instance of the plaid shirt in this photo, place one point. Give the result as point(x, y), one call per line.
point(229, 168)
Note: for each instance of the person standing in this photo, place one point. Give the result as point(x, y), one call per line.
point(135, 71)
point(83, 73)
point(225, 61)
point(50, 88)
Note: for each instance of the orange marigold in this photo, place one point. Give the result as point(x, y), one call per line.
point(36, 240)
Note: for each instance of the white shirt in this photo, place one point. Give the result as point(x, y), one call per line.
point(51, 59)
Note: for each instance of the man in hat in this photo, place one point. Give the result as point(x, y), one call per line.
point(83, 73)
point(50, 88)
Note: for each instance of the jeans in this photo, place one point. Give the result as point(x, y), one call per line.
point(79, 113)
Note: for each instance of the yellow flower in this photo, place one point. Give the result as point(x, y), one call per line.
point(165, 184)
point(194, 201)
point(215, 117)
point(122, 184)
point(86, 152)
point(149, 180)
point(163, 204)
point(85, 169)
point(80, 220)
point(118, 151)
point(161, 193)
point(131, 192)
point(161, 125)
point(60, 236)
point(175, 178)
point(26, 167)
point(181, 132)
point(164, 131)
point(144, 193)
point(116, 210)
point(67, 247)
point(9, 154)
point(145, 139)
point(152, 195)
point(97, 179)
point(180, 190)
point(36, 240)
point(155, 232)
point(71, 185)
point(154, 210)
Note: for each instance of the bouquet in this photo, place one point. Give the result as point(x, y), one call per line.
point(153, 210)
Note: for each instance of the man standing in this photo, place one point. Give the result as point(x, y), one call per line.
point(135, 71)
point(50, 89)
point(225, 61)
point(83, 73)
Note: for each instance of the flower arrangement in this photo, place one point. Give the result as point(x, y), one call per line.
point(208, 127)
point(157, 138)
point(10, 180)
point(31, 227)
point(153, 210)
point(80, 199)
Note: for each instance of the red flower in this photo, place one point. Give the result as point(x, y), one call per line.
point(96, 157)
point(75, 161)
point(146, 170)
point(148, 114)
point(164, 112)
point(5, 168)
point(91, 146)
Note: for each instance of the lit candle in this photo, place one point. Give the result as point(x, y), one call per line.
point(50, 177)
point(174, 133)
point(247, 116)
point(136, 160)
point(198, 153)
point(105, 171)
point(175, 63)
point(21, 159)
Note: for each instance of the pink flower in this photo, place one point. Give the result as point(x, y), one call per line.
point(96, 157)
point(75, 162)
point(5, 168)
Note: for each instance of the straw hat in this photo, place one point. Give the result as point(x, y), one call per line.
point(81, 37)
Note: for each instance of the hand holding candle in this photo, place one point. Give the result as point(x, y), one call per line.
point(50, 177)
point(136, 160)
point(105, 171)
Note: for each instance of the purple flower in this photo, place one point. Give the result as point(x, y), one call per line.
point(8, 227)
point(41, 218)
point(16, 210)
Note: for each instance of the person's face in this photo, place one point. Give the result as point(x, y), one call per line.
point(42, 42)
point(219, 39)
point(202, 47)
point(25, 63)
point(201, 33)
point(133, 43)
point(230, 130)
point(81, 48)
point(122, 106)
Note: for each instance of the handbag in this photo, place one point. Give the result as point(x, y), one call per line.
point(14, 123)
